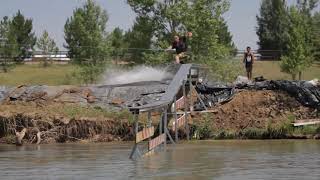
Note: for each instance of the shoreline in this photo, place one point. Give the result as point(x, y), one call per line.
point(58, 122)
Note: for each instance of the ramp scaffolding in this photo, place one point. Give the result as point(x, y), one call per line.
point(178, 96)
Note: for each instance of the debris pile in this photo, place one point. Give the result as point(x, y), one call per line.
point(255, 109)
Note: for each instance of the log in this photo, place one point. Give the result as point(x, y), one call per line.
point(306, 122)
point(38, 137)
point(20, 136)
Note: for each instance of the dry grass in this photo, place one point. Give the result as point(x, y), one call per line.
point(64, 74)
point(37, 75)
point(71, 111)
point(271, 70)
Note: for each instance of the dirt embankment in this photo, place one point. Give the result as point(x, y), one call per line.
point(254, 109)
point(62, 129)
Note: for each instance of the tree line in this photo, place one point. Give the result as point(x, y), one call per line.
point(291, 30)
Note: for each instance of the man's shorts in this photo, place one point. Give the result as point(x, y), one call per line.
point(249, 67)
point(181, 55)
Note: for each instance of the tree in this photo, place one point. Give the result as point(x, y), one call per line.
point(85, 31)
point(139, 38)
point(307, 7)
point(299, 56)
point(204, 18)
point(316, 35)
point(85, 36)
point(21, 30)
point(47, 45)
point(225, 37)
point(172, 17)
point(117, 43)
point(272, 26)
point(8, 44)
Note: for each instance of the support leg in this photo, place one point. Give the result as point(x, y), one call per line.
point(135, 147)
point(175, 119)
point(165, 114)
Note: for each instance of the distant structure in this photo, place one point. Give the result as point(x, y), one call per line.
point(60, 57)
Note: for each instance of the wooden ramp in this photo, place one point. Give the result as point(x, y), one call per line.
point(176, 97)
point(306, 122)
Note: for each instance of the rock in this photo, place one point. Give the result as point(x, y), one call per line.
point(117, 101)
point(317, 136)
point(70, 98)
point(91, 99)
point(272, 98)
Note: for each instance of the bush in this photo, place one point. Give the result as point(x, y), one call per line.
point(225, 70)
point(204, 130)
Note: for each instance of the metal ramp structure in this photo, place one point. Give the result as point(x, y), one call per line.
point(178, 96)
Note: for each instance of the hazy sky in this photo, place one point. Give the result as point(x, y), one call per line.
point(52, 14)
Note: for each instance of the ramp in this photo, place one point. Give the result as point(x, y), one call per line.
point(171, 91)
point(170, 96)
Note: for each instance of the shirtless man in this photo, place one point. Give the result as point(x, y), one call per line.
point(248, 60)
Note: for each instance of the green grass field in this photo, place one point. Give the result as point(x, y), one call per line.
point(271, 70)
point(63, 74)
point(35, 74)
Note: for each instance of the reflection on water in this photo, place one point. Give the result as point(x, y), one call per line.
point(194, 160)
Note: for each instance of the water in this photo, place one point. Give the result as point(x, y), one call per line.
point(223, 160)
point(137, 74)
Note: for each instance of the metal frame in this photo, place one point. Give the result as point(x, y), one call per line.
point(170, 97)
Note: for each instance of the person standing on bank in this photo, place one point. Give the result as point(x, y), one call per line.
point(248, 60)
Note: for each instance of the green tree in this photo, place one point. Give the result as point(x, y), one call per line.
point(86, 38)
point(272, 25)
point(172, 17)
point(225, 37)
point(139, 38)
point(8, 44)
point(316, 35)
point(47, 45)
point(299, 56)
point(118, 44)
point(204, 19)
point(85, 31)
point(21, 30)
point(307, 7)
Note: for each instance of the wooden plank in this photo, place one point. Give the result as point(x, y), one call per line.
point(144, 134)
point(156, 141)
point(199, 112)
point(180, 103)
point(180, 122)
point(306, 122)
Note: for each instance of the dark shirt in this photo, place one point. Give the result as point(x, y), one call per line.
point(180, 46)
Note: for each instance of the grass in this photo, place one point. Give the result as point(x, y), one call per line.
point(271, 70)
point(64, 74)
point(37, 75)
point(72, 111)
point(282, 130)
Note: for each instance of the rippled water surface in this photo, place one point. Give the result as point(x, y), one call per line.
point(225, 160)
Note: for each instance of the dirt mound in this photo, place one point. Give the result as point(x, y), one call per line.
point(255, 109)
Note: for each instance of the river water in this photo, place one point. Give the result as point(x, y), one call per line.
point(224, 160)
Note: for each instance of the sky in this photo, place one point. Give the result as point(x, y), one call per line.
point(51, 15)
